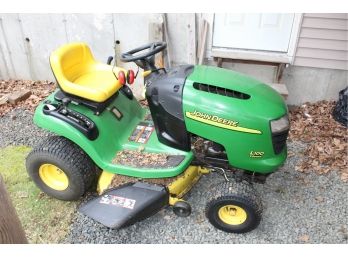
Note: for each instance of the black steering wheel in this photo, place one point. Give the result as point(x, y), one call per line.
point(145, 60)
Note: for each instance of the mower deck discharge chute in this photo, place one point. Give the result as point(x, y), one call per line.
point(199, 120)
point(126, 204)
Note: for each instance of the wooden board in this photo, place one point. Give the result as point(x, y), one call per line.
point(11, 231)
point(156, 35)
point(203, 40)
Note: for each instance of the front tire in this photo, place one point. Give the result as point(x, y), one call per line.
point(236, 208)
point(61, 169)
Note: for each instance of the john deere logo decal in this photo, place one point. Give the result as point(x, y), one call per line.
point(219, 122)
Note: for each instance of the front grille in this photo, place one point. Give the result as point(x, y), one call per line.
point(279, 141)
point(220, 91)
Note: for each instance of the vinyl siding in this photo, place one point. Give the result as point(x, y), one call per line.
point(323, 41)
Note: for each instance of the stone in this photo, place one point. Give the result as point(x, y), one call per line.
point(3, 99)
point(17, 96)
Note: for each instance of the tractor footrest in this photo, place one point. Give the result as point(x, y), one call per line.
point(134, 158)
point(127, 204)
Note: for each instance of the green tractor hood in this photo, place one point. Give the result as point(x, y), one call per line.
point(235, 111)
point(264, 100)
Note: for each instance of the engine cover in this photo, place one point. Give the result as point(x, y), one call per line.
point(235, 111)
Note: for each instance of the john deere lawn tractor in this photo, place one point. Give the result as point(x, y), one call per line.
point(199, 120)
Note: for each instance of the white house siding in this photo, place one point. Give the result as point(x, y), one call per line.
point(319, 70)
point(26, 40)
point(323, 41)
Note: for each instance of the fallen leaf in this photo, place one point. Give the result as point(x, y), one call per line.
point(344, 177)
point(167, 217)
point(319, 199)
point(304, 238)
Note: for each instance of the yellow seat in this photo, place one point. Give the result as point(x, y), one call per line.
point(79, 74)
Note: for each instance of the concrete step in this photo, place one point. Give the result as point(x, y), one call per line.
point(281, 89)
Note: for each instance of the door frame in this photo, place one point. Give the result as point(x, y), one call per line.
point(260, 55)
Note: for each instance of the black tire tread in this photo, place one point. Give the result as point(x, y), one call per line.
point(242, 189)
point(68, 152)
point(239, 191)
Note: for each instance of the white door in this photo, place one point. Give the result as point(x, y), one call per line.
point(267, 32)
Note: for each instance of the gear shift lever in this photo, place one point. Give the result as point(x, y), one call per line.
point(66, 101)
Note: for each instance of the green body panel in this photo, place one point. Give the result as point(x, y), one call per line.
point(264, 105)
point(113, 137)
point(253, 114)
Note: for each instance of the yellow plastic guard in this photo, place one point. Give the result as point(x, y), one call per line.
point(146, 73)
point(104, 181)
point(78, 73)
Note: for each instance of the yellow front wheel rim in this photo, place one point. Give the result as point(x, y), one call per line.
point(232, 214)
point(53, 177)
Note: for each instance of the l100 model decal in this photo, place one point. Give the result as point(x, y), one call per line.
point(219, 122)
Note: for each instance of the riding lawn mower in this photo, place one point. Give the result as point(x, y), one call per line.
point(199, 119)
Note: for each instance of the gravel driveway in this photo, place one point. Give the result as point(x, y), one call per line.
point(298, 208)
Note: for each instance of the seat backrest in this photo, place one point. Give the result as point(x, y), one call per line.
point(70, 61)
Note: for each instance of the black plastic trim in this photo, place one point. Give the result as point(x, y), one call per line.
point(127, 204)
point(79, 121)
point(279, 141)
point(164, 94)
point(96, 107)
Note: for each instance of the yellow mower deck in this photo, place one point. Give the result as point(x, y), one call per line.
point(177, 186)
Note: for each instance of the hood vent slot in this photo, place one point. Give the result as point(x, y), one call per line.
point(220, 91)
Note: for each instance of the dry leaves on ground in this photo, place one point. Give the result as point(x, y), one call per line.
point(326, 138)
point(136, 158)
point(39, 91)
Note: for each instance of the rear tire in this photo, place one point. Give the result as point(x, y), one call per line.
point(236, 208)
point(61, 169)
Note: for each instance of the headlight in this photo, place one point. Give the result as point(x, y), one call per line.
point(280, 125)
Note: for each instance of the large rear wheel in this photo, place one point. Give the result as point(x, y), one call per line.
point(61, 169)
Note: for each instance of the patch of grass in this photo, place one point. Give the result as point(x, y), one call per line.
point(44, 219)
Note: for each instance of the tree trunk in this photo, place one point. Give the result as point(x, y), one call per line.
point(11, 231)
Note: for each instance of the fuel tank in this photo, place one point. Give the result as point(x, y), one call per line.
point(236, 111)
